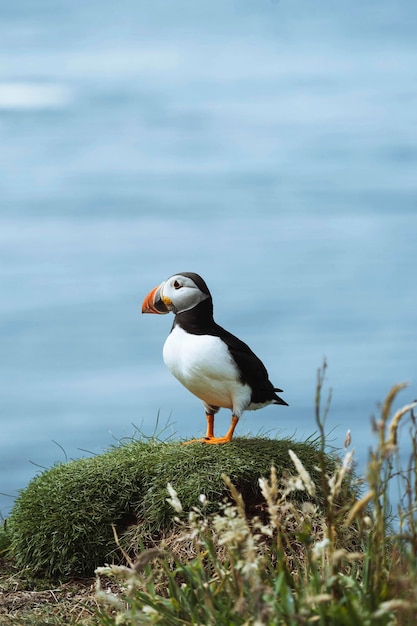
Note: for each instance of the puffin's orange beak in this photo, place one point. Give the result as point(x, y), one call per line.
point(153, 303)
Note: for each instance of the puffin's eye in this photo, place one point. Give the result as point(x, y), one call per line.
point(176, 284)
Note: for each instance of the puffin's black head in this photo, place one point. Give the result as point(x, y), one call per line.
point(179, 293)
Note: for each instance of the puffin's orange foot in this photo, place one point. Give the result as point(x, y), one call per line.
point(202, 440)
point(210, 438)
point(217, 440)
point(228, 436)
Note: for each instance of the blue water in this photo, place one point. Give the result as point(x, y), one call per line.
point(269, 146)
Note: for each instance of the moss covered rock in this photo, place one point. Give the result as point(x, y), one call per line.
point(61, 524)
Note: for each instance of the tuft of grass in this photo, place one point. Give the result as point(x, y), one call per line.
point(62, 523)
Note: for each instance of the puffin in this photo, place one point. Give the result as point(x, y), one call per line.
point(214, 365)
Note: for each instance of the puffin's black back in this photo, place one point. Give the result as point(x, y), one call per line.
point(199, 321)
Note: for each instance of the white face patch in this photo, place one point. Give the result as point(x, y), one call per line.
point(203, 364)
point(182, 293)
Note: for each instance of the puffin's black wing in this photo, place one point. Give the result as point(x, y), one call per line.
point(199, 321)
point(252, 371)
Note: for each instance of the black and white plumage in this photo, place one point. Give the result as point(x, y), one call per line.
point(213, 364)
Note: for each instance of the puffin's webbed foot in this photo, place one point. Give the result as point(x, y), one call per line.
point(209, 433)
point(202, 440)
point(216, 440)
point(210, 438)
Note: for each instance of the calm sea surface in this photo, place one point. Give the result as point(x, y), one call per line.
point(269, 146)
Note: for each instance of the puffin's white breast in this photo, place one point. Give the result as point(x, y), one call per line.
point(203, 364)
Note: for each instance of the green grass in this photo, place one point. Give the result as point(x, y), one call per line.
point(61, 524)
point(4, 539)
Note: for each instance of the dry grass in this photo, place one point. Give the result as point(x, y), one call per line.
point(34, 603)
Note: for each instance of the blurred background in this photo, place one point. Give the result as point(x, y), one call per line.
point(270, 146)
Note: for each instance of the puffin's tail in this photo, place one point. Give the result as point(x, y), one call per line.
point(278, 400)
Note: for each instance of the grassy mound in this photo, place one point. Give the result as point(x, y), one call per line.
point(61, 524)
